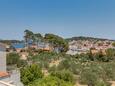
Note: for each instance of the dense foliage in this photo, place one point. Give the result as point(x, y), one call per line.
point(89, 69)
point(57, 41)
point(13, 59)
point(64, 75)
point(54, 40)
point(113, 44)
point(51, 81)
point(30, 74)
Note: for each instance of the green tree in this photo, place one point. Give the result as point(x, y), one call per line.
point(38, 38)
point(30, 74)
point(28, 36)
point(57, 41)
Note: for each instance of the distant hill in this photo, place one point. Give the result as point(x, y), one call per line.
point(9, 42)
point(87, 38)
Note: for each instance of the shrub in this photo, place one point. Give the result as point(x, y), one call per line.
point(64, 75)
point(30, 73)
point(102, 83)
point(51, 81)
point(113, 44)
point(65, 64)
point(111, 53)
point(83, 57)
point(88, 77)
point(22, 63)
point(68, 64)
point(95, 74)
point(43, 64)
point(12, 58)
point(109, 69)
point(52, 69)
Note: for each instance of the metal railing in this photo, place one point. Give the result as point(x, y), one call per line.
point(5, 83)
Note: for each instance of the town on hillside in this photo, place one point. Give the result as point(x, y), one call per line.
point(84, 46)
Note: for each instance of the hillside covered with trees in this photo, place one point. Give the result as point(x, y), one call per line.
point(87, 38)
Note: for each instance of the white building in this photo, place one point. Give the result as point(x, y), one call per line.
point(7, 79)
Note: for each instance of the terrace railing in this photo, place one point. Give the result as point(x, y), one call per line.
point(2, 83)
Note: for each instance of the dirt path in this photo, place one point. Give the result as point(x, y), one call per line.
point(112, 82)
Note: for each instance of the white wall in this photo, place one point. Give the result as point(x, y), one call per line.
point(3, 61)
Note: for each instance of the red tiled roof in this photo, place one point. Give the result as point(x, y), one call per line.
point(3, 74)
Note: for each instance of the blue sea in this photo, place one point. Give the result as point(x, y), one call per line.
point(18, 45)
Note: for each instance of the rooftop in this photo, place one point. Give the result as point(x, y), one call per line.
point(3, 74)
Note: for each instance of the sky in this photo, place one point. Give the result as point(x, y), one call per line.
point(66, 18)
